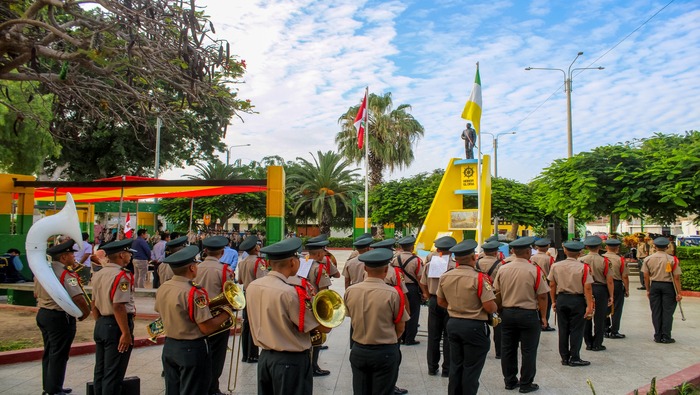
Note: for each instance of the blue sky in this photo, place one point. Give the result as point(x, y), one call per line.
point(308, 61)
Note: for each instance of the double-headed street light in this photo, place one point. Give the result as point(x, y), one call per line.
point(567, 88)
point(495, 166)
point(228, 150)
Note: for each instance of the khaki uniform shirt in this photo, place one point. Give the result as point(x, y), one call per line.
point(391, 278)
point(543, 260)
point(671, 250)
point(70, 283)
point(247, 271)
point(509, 258)
point(273, 311)
point(353, 254)
point(333, 267)
point(432, 283)
point(643, 250)
point(355, 270)
point(102, 283)
point(460, 288)
point(656, 267)
point(413, 267)
point(597, 264)
point(323, 282)
point(615, 263)
point(373, 307)
point(568, 275)
point(173, 304)
point(484, 265)
point(210, 275)
point(516, 282)
point(165, 272)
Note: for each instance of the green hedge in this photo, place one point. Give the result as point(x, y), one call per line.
point(690, 265)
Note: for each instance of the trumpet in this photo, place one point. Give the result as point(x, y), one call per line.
point(329, 310)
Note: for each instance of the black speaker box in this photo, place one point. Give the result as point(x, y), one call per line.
point(130, 386)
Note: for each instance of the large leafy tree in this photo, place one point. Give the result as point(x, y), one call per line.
point(113, 67)
point(324, 187)
point(392, 133)
point(514, 201)
point(405, 202)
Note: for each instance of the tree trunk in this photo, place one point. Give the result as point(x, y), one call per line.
point(614, 223)
point(513, 232)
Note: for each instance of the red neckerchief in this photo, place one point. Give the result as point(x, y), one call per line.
point(257, 262)
point(224, 275)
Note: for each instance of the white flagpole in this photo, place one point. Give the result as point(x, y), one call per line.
point(478, 183)
point(366, 156)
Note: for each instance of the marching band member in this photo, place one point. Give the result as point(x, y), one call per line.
point(211, 276)
point(184, 308)
point(57, 327)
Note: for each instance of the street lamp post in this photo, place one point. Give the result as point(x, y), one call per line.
point(495, 167)
point(569, 129)
point(228, 151)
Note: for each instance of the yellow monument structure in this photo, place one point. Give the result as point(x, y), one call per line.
point(447, 215)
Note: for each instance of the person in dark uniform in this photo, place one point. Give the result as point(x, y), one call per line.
point(171, 247)
point(489, 263)
point(661, 271)
point(410, 265)
point(280, 321)
point(523, 289)
point(545, 261)
point(467, 296)
point(249, 269)
point(113, 309)
point(57, 327)
point(318, 279)
point(184, 308)
point(621, 284)
point(378, 320)
point(570, 283)
point(437, 315)
point(211, 276)
point(603, 290)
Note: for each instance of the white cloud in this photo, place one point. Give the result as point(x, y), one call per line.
point(308, 61)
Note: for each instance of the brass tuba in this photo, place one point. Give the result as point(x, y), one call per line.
point(329, 310)
point(232, 297)
point(64, 222)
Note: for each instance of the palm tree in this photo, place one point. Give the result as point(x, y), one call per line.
point(325, 187)
point(391, 136)
point(213, 170)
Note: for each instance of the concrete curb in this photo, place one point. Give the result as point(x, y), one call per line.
point(666, 385)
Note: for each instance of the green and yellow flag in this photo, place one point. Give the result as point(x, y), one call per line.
point(472, 110)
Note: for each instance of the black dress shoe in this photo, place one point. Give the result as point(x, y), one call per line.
point(667, 340)
point(524, 389)
point(411, 343)
point(578, 362)
point(617, 336)
point(320, 372)
point(244, 359)
point(565, 362)
point(445, 373)
point(498, 357)
point(432, 372)
point(512, 386)
point(599, 348)
point(252, 360)
point(398, 390)
point(548, 329)
point(67, 390)
point(589, 348)
point(642, 288)
point(606, 335)
point(323, 347)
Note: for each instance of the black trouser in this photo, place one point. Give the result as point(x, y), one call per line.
point(662, 299)
point(375, 368)
point(217, 353)
point(57, 331)
point(571, 309)
point(187, 366)
point(594, 330)
point(413, 296)
point(641, 273)
point(469, 345)
point(549, 307)
point(156, 276)
point(250, 350)
point(285, 373)
point(314, 357)
point(110, 364)
point(437, 331)
point(519, 328)
point(497, 337)
point(619, 303)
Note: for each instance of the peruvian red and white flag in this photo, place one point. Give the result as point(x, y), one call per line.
point(128, 231)
point(360, 122)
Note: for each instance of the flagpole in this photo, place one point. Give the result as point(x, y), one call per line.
point(121, 203)
point(478, 182)
point(366, 157)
